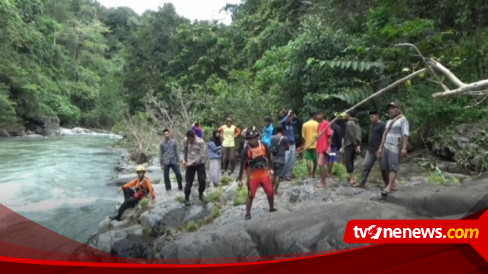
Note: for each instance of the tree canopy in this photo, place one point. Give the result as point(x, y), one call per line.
point(89, 65)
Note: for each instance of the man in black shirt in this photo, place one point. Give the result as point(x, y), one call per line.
point(375, 136)
point(338, 132)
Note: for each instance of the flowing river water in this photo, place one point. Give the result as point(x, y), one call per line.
point(60, 182)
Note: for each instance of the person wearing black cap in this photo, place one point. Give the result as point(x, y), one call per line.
point(256, 160)
point(393, 145)
point(374, 141)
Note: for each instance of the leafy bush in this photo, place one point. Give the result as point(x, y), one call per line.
point(300, 169)
point(340, 171)
point(180, 199)
point(216, 212)
point(241, 196)
point(144, 203)
point(216, 196)
point(191, 226)
point(225, 180)
point(436, 177)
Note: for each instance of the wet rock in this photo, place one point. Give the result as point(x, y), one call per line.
point(196, 213)
point(461, 141)
point(125, 178)
point(294, 195)
point(230, 191)
point(430, 201)
point(133, 247)
point(121, 180)
point(478, 161)
point(233, 243)
point(152, 222)
point(4, 133)
point(32, 136)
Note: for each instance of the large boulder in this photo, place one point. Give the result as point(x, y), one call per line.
point(133, 247)
point(312, 228)
point(439, 201)
point(4, 133)
point(465, 146)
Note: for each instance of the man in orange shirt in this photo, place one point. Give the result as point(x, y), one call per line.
point(256, 161)
point(142, 186)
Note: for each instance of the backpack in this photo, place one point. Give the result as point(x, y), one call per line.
point(276, 148)
point(257, 156)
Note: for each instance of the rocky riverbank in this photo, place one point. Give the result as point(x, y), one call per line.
point(309, 219)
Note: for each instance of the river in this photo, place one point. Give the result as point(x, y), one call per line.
point(60, 182)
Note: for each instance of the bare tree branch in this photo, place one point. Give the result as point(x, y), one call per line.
point(469, 87)
point(376, 94)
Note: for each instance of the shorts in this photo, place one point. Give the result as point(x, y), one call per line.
point(390, 160)
point(334, 158)
point(323, 158)
point(279, 169)
point(264, 182)
point(311, 154)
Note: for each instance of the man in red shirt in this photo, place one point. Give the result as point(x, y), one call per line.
point(323, 145)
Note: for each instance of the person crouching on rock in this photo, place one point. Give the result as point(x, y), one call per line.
point(256, 161)
point(132, 197)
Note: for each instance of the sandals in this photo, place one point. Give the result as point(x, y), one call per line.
point(356, 184)
point(248, 217)
point(273, 209)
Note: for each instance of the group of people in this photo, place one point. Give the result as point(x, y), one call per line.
point(268, 157)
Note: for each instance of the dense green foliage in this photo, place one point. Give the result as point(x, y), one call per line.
point(89, 65)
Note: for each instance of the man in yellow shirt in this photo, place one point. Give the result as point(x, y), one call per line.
point(309, 133)
point(229, 133)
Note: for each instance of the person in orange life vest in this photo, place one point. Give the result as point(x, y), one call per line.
point(229, 133)
point(142, 186)
point(256, 161)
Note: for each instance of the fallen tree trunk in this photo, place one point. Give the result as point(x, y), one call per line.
point(376, 94)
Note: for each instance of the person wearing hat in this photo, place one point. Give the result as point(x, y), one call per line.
point(256, 161)
point(268, 131)
point(374, 141)
point(132, 197)
point(393, 145)
point(229, 133)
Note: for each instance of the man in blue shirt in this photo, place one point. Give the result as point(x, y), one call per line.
point(267, 132)
point(289, 123)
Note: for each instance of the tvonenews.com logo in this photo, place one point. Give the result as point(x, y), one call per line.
point(469, 231)
point(375, 232)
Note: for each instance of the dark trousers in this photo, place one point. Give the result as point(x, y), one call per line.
point(176, 170)
point(190, 176)
point(129, 202)
point(369, 161)
point(228, 159)
point(349, 155)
